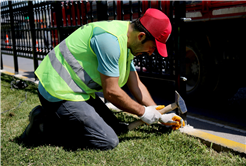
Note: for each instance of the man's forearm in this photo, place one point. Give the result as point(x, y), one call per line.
point(121, 100)
point(141, 93)
point(139, 90)
point(143, 96)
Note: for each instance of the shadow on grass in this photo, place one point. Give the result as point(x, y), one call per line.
point(151, 130)
point(154, 128)
point(41, 141)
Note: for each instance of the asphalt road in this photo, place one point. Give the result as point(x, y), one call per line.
point(226, 120)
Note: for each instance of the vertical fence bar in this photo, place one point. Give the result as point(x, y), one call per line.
point(159, 5)
point(180, 12)
point(63, 9)
point(131, 10)
point(102, 10)
point(180, 44)
point(33, 36)
point(52, 25)
point(139, 9)
point(122, 10)
point(1, 61)
point(149, 4)
point(80, 13)
point(58, 13)
point(86, 13)
point(72, 15)
point(91, 10)
point(42, 21)
point(69, 13)
point(76, 13)
point(114, 10)
point(1, 37)
point(13, 38)
point(29, 36)
point(66, 11)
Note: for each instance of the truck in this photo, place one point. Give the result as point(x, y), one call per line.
point(215, 44)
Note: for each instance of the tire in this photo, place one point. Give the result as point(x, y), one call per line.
point(200, 69)
point(207, 77)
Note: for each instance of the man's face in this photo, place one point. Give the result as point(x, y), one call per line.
point(148, 47)
point(138, 48)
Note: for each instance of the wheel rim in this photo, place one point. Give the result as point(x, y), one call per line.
point(192, 70)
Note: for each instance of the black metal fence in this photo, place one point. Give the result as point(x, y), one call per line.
point(31, 29)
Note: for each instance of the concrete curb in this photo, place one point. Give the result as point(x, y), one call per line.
point(19, 76)
point(217, 143)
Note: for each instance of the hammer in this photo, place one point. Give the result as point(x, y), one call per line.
point(179, 103)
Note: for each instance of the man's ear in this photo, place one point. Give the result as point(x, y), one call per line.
point(141, 36)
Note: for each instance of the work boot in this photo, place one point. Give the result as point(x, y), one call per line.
point(34, 128)
point(122, 128)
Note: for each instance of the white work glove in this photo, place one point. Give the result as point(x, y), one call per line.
point(172, 120)
point(151, 115)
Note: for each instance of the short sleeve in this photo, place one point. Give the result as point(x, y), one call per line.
point(132, 67)
point(107, 49)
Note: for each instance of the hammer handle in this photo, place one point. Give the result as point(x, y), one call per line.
point(168, 108)
point(139, 122)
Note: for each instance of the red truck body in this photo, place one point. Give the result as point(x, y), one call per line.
point(197, 10)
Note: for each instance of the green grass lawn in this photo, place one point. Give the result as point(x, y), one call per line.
point(147, 145)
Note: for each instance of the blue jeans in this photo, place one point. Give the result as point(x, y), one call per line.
point(87, 124)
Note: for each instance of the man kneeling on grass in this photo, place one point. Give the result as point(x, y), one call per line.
point(97, 57)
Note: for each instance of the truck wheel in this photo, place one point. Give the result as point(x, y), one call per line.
point(192, 70)
point(200, 73)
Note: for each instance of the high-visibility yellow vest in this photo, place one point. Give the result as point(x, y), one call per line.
point(69, 71)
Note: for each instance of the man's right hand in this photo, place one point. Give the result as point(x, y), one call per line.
point(172, 120)
point(151, 115)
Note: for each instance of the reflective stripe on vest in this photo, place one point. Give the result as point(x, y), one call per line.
point(77, 68)
point(63, 73)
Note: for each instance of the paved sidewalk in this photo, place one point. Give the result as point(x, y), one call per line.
point(220, 137)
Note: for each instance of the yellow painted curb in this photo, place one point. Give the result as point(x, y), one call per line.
point(9, 73)
point(12, 74)
point(217, 142)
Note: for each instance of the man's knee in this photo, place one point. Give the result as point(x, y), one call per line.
point(112, 143)
point(107, 142)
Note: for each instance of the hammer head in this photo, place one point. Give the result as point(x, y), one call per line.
point(180, 102)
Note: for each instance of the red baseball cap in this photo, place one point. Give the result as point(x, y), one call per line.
point(158, 24)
